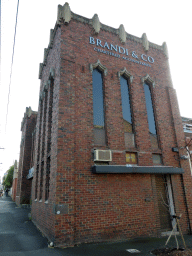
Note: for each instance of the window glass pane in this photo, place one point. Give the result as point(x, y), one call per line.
point(98, 106)
point(150, 112)
point(126, 107)
point(131, 158)
point(157, 159)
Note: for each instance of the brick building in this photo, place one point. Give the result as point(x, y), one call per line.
point(109, 137)
point(14, 184)
point(187, 127)
point(28, 124)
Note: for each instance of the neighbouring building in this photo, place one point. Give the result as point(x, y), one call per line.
point(187, 127)
point(14, 184)
point(109, 137)
point(23, 193)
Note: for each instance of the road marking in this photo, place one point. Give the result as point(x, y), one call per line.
point(133, 250)
point(7, 233)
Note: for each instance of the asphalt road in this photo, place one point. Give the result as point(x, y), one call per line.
point(17, 233)
point(20, 237)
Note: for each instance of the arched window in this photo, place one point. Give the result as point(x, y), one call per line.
point(150, 111)
point(44, 138)
point(98, 70)
point(126, 106)
point(49, 127)
point(125, 80)
point(148, 83)
point(98, 104)
point(38, 147)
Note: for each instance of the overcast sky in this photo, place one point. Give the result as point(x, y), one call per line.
point(167, 21)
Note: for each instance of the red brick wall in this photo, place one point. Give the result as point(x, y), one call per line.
point(105, 206)
point(23, 193)
point(43, 214)
point(14, 189)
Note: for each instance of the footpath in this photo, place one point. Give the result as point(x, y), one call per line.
point(20, 237)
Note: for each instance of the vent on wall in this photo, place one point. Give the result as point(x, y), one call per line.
point(102, 155)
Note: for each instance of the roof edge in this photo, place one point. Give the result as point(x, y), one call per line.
point(65, 15)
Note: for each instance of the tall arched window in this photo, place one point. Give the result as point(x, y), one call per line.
point(125, 81)
point(98, 108)
point(98, 104)
point(38, 147)
point(126, 106)
point(98, 70)
point(150, 111)
point(147, 83)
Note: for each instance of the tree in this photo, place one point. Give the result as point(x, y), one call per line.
point(8, 180)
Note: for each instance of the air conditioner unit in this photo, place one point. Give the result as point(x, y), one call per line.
point(102, 155)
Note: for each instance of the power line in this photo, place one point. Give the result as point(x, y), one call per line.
point(12, 63)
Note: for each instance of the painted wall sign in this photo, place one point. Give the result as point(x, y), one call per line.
point(120, 52)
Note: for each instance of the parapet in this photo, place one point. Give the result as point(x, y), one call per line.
point(65, 15)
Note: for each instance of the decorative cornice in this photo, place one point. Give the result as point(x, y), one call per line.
point(99, 66)
point(122, 34)
point(145, 42)
point(165, 49)
point(96, 23)
point(40, 70)
point(46, 51)
point(148, 79)
point(51, 37)
point(114, 31)
point(64, 13)
point(126, 74)
point(27, 113)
